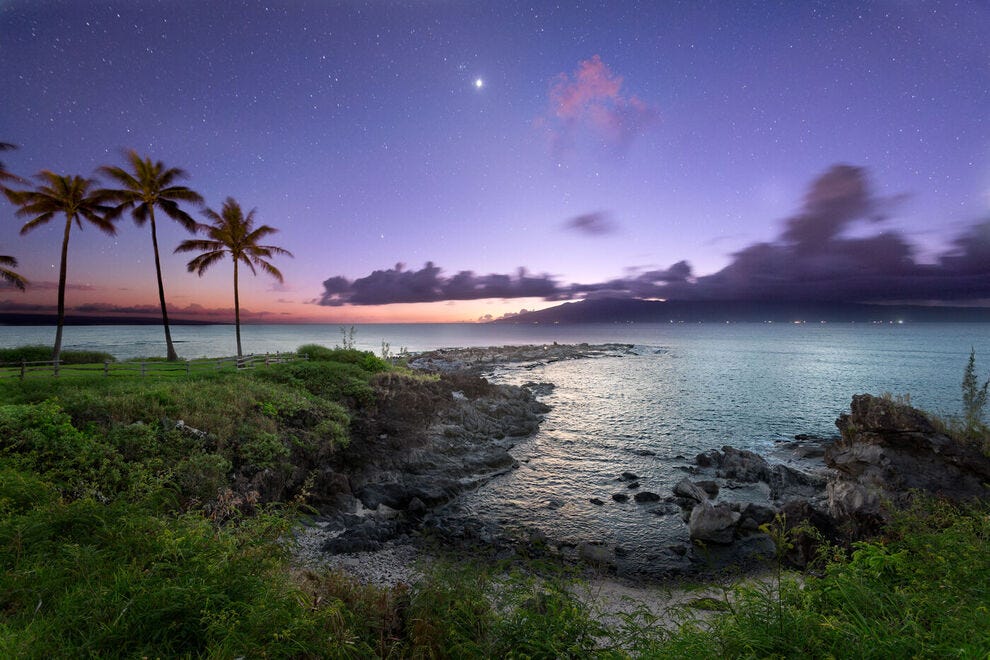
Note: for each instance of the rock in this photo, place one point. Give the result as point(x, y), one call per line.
point(629, 476)
point(646, 496)
point(689, 490)
point(742, 465)
point(634, 484)
point(620, 497)
point(713, 524)
point(788, 483)
point(595, 553)
point(710, 487)
point(644, 452)
point(596, 501)
point(888, 451)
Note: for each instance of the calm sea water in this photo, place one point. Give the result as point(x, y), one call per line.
point(687, 388)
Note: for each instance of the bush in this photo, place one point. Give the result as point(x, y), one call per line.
point(367, 360)
point(39, 353)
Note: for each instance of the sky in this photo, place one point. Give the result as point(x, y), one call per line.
point(452, 161)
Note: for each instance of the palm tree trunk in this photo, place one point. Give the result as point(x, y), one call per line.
point(172, 356)
point(237, 311)
point(60, 319)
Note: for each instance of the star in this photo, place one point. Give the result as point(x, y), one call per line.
point(479, 83)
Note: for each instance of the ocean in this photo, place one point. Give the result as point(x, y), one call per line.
point(685, 388)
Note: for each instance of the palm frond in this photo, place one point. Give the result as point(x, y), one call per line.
point(200, 264)
point(173, 211)
point(270, 269)
point(11, 277)
point(193, 244)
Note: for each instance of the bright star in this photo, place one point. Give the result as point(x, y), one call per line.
point(478, 83)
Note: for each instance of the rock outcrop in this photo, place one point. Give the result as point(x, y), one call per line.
point(420, 445)
point(890, 451)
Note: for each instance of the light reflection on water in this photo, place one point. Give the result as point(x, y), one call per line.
point(694, 393)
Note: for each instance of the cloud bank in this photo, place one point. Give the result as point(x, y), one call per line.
point(813, 259)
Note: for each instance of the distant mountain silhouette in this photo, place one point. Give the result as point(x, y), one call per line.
point(626, 310)
point(28, 318)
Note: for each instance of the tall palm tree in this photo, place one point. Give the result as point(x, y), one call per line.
point(9, 276)
point(147, 186)
point(234, 234)
point(71, 196)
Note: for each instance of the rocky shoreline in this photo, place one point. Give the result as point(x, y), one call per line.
point(428, 440)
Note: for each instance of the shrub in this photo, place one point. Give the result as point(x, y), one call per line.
point(367, 360)
point(39, 353)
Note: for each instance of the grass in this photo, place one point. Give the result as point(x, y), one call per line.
point(123, 535)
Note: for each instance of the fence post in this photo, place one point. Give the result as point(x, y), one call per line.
point(219, 365)
point(23, 368)
point(143, 370)
point(56, 363)
point(106, 367)
point(188, 362)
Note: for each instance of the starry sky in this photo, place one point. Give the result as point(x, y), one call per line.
point(444, 161)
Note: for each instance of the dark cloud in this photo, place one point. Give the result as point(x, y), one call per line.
point(813, 259)
point(592, 224)
point(397, 285)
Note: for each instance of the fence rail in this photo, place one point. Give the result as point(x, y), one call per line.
point(25, 369)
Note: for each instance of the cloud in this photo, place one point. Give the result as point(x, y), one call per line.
point(47, 285)
point(592, 224)
point(813, 259)
point(397, 285)
point(591, 101)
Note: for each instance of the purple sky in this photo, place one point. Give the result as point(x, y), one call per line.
point(596, 147)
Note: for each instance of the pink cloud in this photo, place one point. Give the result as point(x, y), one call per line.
point(591, 100)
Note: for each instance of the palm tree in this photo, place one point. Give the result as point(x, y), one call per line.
point(61, 194)
point(8, 275)
point(234, 234)
point(148, 186)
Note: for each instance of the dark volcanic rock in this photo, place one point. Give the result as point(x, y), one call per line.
point(646, 496)
point(417, 447)
point(689, 490)
point(620, 497)
point(713, 524)
point(888, 450)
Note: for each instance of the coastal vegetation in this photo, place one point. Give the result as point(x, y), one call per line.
point(73, 197)
point(233, 233)
point(148, 185)
point(154, 517)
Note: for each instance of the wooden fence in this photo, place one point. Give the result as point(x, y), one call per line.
point(25, 369)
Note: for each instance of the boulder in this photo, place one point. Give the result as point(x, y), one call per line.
point(713, 524)
point(689, 490)
point(646, 496)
